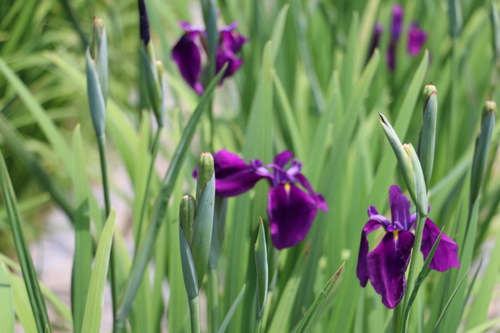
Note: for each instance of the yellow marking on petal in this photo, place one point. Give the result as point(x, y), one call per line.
point(396, 235)
point(287, 188)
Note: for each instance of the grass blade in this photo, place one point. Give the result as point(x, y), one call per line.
point(314, 311)
point(6, 302)
point(94, 306)
point(82, 262)
point(231, 311)
point(29, 274)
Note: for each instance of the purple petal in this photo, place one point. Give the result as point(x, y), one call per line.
point(362, 269)
point(188, 27)
point(387, 266)
point(397, 21)
point(187, 56)
point(446, 255)
point(232, 175)
point(223, 57)
point(373, 214)
point(318, 198)
point(400, 207)
point(282, 159)
point(143, 22)
point(232, 41)
point(291, 212)
point(230, 27)
point(377, 32)
point(416, 39)
point(391, 56)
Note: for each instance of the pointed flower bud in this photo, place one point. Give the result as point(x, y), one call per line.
point(419, 195)
point(154, 84)
point(482, 148)
point(427, 136)
point(203, 223)
point(188, 268)
point(187, 213)
point(97, 77)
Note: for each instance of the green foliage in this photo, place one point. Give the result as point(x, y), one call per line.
point(311, 84)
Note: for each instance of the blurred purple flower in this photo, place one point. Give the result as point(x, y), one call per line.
point(290, 209)
point(416, 39)
point(143, 22)
point(397, 21)
point(385, 266)
point(377, 32)
point(187, 53)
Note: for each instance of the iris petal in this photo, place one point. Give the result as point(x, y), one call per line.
point(387, 265)
point(446, 255)
point(416, 39)
point(187, 56)
point(400, 207)
point(362, 269)
point(291, 212)
point(232, 175)
point(320, 200)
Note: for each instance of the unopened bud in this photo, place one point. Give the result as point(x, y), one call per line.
point(187, 214)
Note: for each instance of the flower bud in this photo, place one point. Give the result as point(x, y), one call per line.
point(144, 23)
point(154, 86)
point(187, 213)
point(481, 151)
point(203, 223)
point(418, 190)
point(427, 136)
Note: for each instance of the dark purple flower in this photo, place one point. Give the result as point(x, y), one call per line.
point(290, 208)
point(187, 53)
point(397, 21)
point(385, 266)
point(143, 23)
point(416, 39)
point(377, 32)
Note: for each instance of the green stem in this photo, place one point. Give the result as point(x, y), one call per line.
point(213, 297)
point(194, 312)
point(412, 275)
point(154, 154)
point(101, 142)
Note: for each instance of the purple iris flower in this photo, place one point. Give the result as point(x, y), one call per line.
point(377, 33)
point(187, 53)
point(396, 29)
point(290, 209)
point(385, 266)
point(416, 39)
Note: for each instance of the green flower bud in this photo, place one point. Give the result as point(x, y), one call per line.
point(203, 223)
point(418, 191)
point(262, 269)
point(481, 151)
point(427, 136)
point(187, 213)
point(154, 86)
point(188, 268)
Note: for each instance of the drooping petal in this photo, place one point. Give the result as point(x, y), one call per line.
point(188, 58)
point(446, 255)
point(396, 22)
point(387, 265)
point(362, 269)
point(223, 57)
point(373, 214)
point(291, 212)
point(318, 198)
point(230, 39)
point(400, 207)
point(188, 27)
point(232, 175)
point(416, 39)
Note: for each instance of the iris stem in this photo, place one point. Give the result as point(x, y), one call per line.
point(412, 275)
point(194, 313)
point(213, 291)
point(101, 143)
point(154, 154)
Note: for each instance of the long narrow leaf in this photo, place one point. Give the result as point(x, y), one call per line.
point(29, 273)
point(94, 306)
point(6, 302)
